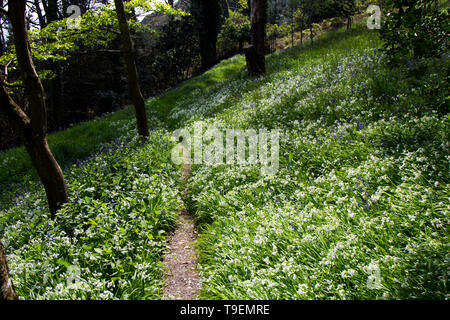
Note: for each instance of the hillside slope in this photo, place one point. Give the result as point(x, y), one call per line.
point(358, 208)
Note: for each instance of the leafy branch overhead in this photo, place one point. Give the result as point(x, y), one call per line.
point(96, 28)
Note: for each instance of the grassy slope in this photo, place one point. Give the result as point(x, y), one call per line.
point(124, 194)
point(359, 207)
point(304, 233)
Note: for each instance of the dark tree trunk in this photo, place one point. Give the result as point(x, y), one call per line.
point(132, 76)
point(207, 14)
point(252, 60)
point(41, 18)
point(301, 35)
point(225, 8)
point(292, 28)
point(33, 129)
point(51, 10)
point(2, 34)
point(7, 291)
point(208, 52)
point(254, 53)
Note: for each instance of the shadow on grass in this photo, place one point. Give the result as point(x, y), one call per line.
point(82, 140)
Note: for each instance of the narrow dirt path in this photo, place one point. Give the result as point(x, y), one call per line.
point(182, 277)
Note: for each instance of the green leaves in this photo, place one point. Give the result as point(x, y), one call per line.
point(415, 29)
point(122, 202)
point(97, 28)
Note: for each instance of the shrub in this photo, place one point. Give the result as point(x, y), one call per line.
point(415, 29)
point(235, 31)
point(336, 23)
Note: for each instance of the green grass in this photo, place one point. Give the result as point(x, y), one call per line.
point(358, 209)
point(68, 146)
point(123, 193)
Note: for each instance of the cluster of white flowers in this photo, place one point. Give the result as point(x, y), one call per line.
point(352, 191)
point(106, 243)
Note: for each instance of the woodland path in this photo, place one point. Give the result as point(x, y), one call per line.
point(182, 277)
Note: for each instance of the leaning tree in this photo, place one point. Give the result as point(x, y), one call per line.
point(131, 71)
point(32, 127)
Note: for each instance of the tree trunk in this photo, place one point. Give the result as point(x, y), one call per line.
point(254, 53)
point(301, 35)
point(253, 66)
point(132, 76)
point(208, 19)
point(51, 10)
point(7, 291)
point(41, 18)
point(292, 28)
point(225, 8)
point(208, 51)
point(33, 129)
point(2, 34)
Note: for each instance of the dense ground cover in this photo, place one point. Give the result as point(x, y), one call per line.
point(124, 193)
point(358, 209)
point(108, 240)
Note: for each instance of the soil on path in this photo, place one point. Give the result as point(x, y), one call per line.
point(182, 277)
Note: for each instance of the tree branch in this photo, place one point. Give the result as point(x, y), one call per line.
point(12, 111)
point(4, 76)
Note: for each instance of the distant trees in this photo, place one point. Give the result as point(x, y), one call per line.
point(48, 11)
point(131, 71)
point(2, 33)
point(299, 19)
point(33, 127)
point(236, 29)
point(70, 61)
point(348, 10)
point(174, 57)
